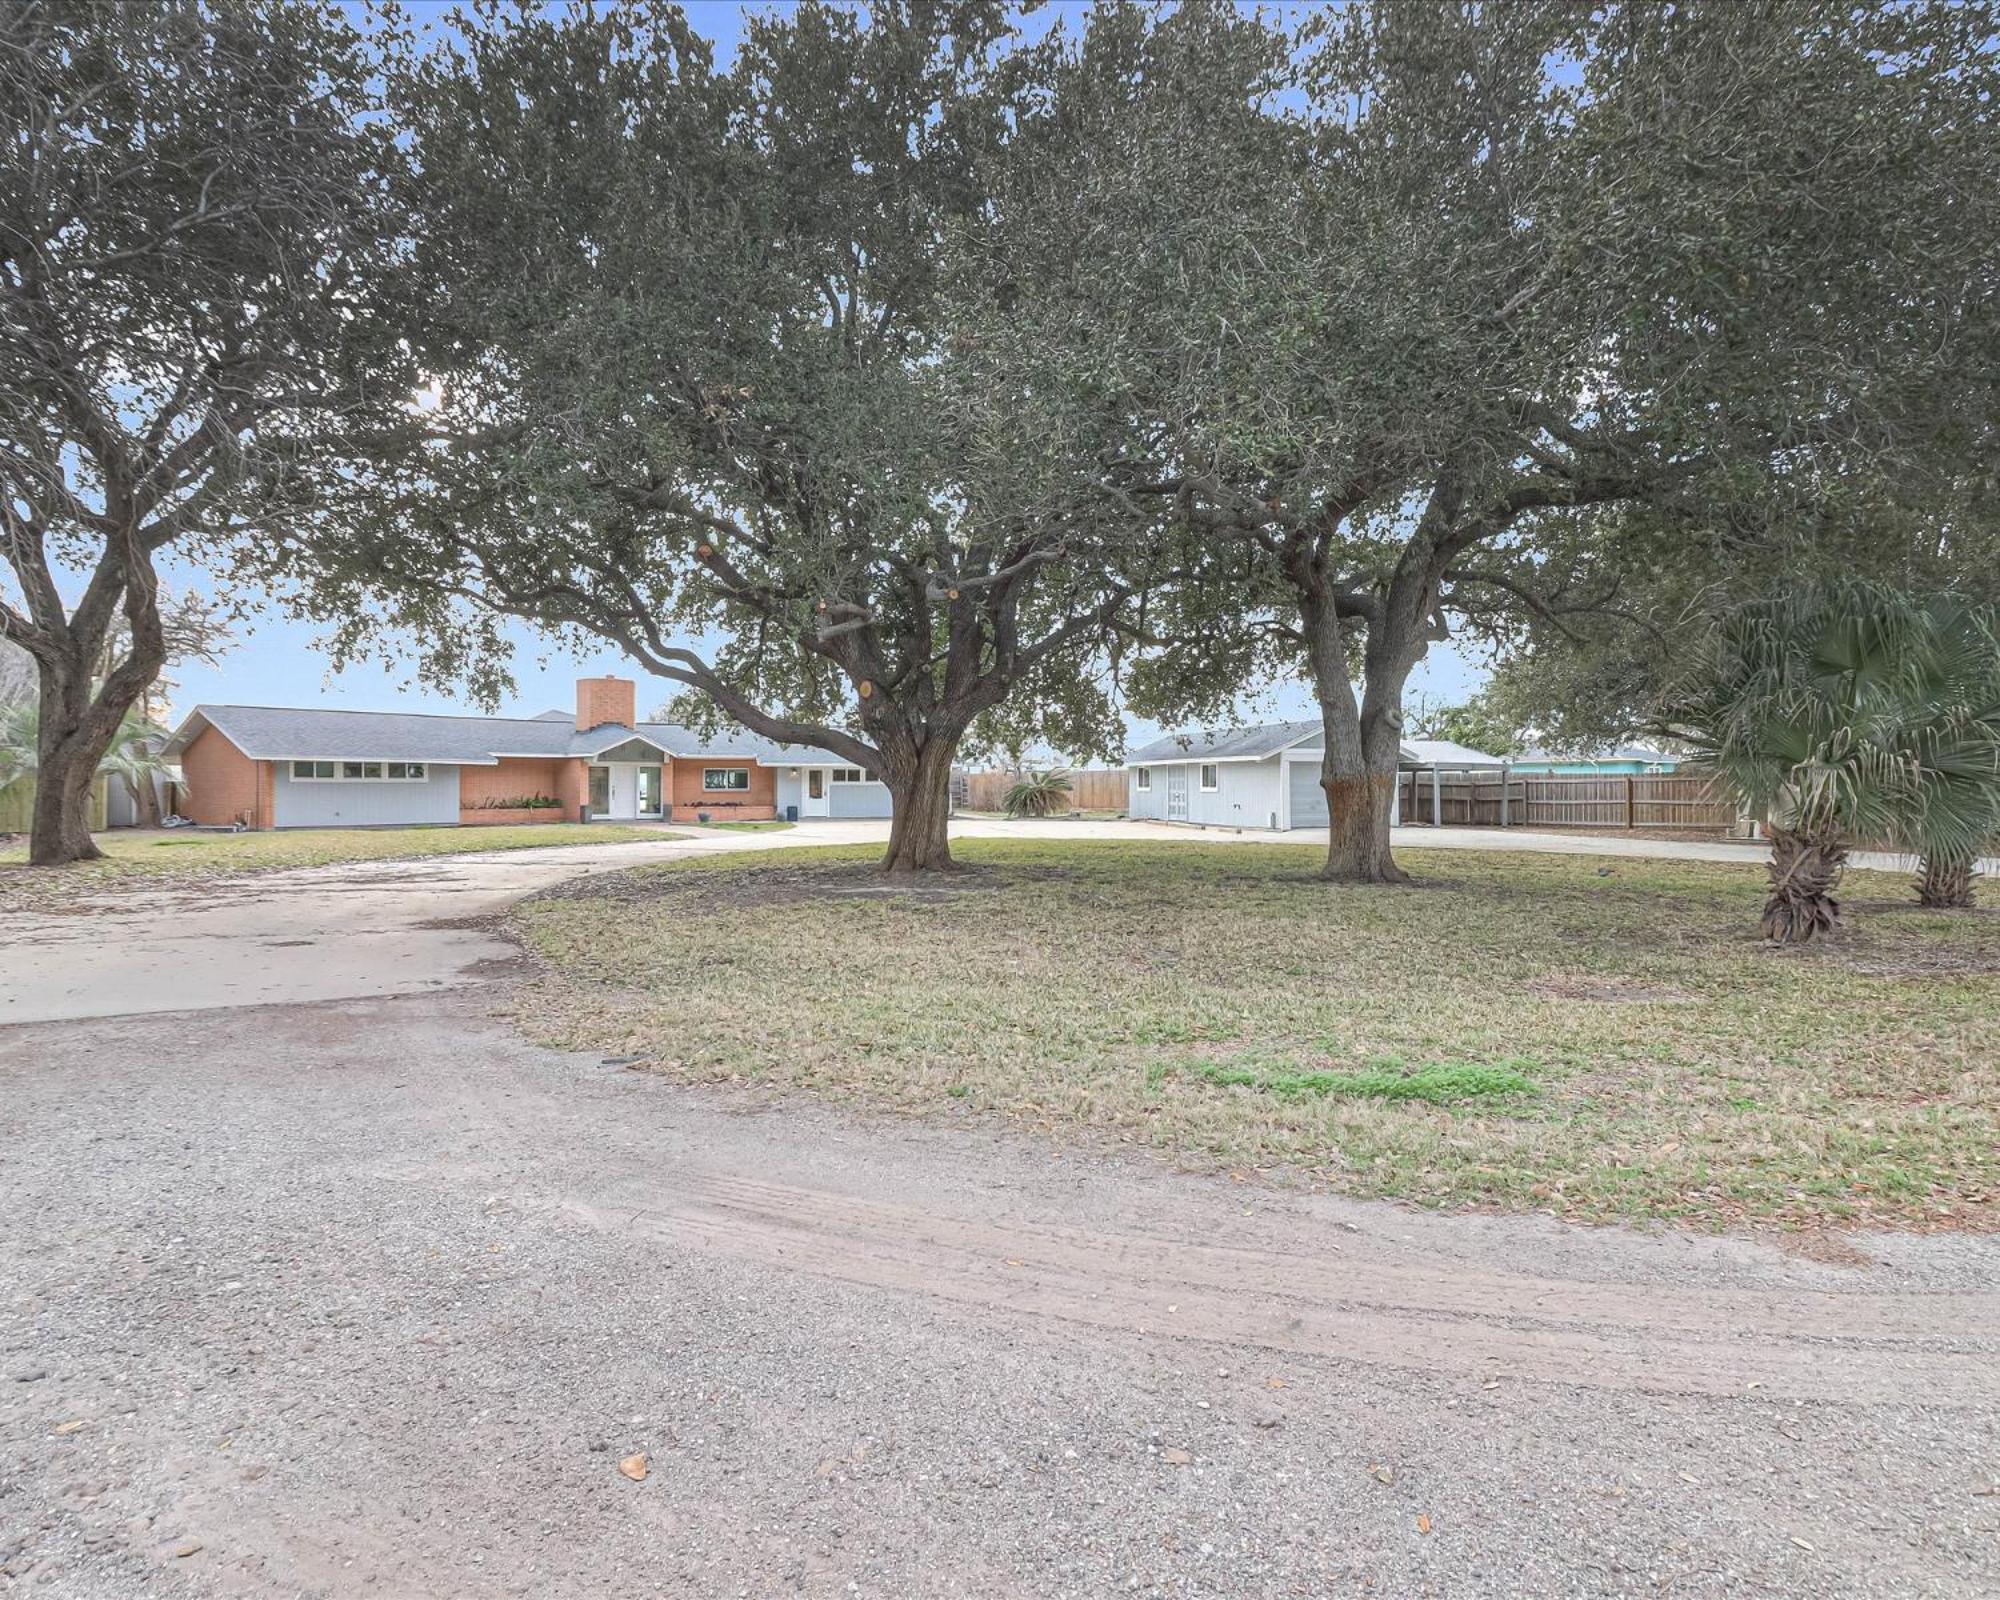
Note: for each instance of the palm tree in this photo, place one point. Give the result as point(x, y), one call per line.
point(1842, 711)
point(1038, 794)
point(133, 757)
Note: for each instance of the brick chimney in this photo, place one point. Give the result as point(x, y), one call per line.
point(602, 700)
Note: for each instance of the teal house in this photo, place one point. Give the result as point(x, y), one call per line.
point(1609, 763)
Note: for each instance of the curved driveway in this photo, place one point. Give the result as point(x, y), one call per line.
point(364, 1296)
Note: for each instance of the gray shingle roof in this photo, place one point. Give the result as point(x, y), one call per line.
point(285, 733)
point(1259, 743)
point(1230, 744)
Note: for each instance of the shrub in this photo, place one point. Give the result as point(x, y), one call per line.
point(1038, 794)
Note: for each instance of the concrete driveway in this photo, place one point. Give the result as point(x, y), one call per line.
point(304, 1295)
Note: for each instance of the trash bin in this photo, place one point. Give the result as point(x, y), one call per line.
point(583, 812)
point(791, 813)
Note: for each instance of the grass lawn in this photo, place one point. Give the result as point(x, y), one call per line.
point(153, 857)
point(1589, 1036)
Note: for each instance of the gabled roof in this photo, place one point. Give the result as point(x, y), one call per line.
point(292, 733)
point(1444, 753)
point(1229, 744)
point(1273, 738)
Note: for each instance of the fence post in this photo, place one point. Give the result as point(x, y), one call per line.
point(1630, 784)
point(1504, 779)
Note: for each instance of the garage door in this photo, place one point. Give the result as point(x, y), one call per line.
point(1308, 798)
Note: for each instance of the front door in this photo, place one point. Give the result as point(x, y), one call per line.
point(600, 791)
point(1177, 794)
point(815, 803)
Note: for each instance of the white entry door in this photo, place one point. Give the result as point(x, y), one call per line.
point(624, 791)
point(1177, 794)
point(813, 799)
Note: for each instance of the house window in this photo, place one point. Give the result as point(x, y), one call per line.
point(724, 778)
point(359, 771)
point(1211, 777)
point(1145, 778)
point(849, 775)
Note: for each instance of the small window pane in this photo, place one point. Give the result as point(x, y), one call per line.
point(371, 769)
point(350, 769)
point(416, 769)
point(396, 769)
point(1145, 777)
point(1208, 776)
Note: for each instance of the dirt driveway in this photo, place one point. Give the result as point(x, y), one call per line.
point(366, 1297)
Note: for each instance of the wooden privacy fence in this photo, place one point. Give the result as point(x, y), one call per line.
point(17, 805)
point(1090, 789)
point(1641, 800)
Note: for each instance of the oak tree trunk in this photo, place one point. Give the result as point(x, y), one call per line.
point(920, 800)
point(1946, 885)
point(1357, 848)
point(1805, 869)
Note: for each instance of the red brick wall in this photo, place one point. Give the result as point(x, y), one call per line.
point(223, 784)
point(602, 700)
point(758, 801)
point(514, 777)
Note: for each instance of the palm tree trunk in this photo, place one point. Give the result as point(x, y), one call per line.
point(1946, 885)
point(1805, 869)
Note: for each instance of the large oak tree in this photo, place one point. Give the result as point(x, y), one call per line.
point(697, 391)
point(1382, 314)
point(189, 200)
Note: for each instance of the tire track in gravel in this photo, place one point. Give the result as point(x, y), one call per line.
point(1362, 1305)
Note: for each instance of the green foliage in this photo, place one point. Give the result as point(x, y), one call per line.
point(1380, 319)
point(193, 232)
point(694, 393)
point(132, 756)
point(1853, 710)
point(1038, 794)
point(1478, 723)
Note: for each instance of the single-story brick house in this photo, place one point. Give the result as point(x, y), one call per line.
point(289, 767)
point(1262, 777)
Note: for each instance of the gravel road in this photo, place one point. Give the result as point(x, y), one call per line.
point(370, 1298)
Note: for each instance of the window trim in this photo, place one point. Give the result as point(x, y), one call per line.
point(1210, 776)
point(848, 775)
point(337, 771)
point(1145, 777)
point(708, 786)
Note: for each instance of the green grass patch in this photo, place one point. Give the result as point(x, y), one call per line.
point(1441, 1083)
point(1515, 1031)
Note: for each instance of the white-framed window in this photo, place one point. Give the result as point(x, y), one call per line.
point(723, 779)
point(1211, 777)
point(358, 771)
point(1145, 778)
point(849, 775)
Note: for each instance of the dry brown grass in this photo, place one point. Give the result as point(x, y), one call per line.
point(1218, 1003)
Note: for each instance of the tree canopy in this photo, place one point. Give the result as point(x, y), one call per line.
point(695, 392)
point(190, 215)
point(1385, 313)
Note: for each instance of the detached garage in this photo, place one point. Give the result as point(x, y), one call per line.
point(1262, 777)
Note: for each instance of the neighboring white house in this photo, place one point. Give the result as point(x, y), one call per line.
point(1263, 777)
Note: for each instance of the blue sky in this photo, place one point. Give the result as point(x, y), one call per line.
point(279, 663)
